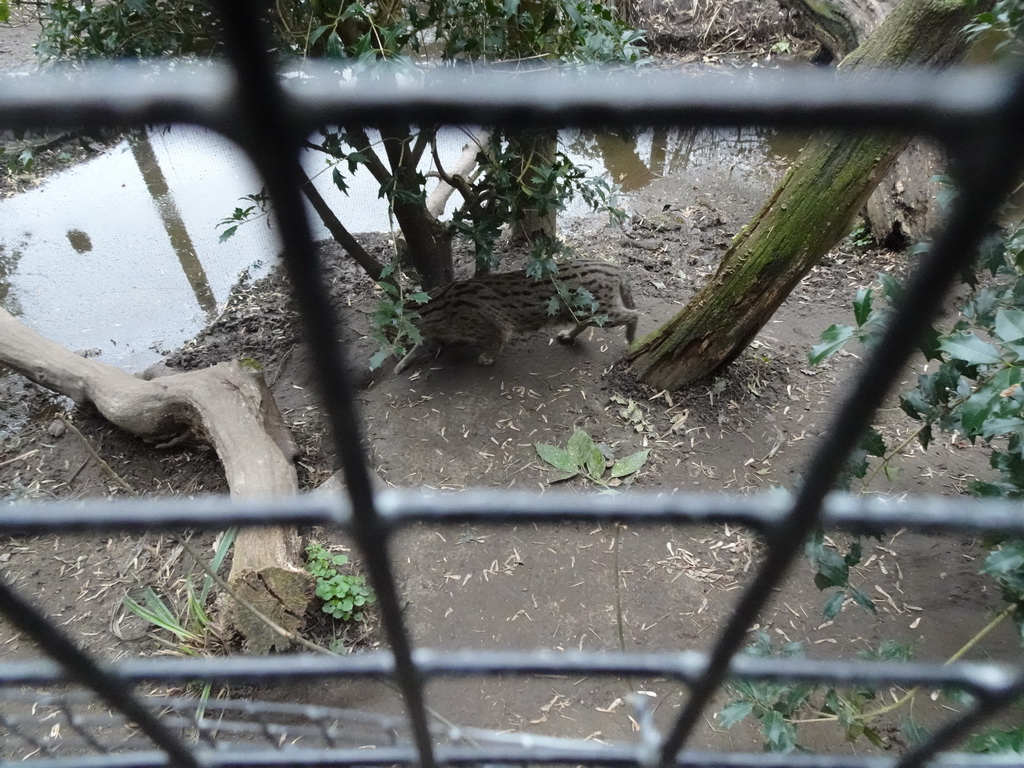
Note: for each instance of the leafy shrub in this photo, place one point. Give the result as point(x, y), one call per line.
point(344, 595)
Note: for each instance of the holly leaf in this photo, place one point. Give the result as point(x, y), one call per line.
point(873, 443)
point(970, 349)
point(833, 339)
point(890, 287)
point(734, 713)
point(832, 570)
point(833, 605)
point(997, 741)
point(781, 735)
point(863, 600)
point(378, 358)
point(1010, 324)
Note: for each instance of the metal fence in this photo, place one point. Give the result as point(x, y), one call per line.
point(976, 115)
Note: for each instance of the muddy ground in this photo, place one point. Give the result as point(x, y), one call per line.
point(452, 425)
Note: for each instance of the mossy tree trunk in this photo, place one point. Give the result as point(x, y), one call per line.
point(808, 214)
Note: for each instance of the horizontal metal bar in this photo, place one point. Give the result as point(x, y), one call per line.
point(575, 753)
point(919, 102)
point(988, 679)
point(161, 514)
point(397, 508)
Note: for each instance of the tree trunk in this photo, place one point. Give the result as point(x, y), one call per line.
point(226, 405)
point(806, 216)
point(901, 210)
point(428, 242)
point(535, 149)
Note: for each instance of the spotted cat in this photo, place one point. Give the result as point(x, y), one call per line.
point(486, 312)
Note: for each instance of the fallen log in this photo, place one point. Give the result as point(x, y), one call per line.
point(228, 406)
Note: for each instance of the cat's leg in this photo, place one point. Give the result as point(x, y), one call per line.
point(493, 336)
point(425, 350)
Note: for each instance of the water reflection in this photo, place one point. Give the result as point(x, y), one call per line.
point(636, 159)
point(174, 225)
point(121, 254)
point(79, 240)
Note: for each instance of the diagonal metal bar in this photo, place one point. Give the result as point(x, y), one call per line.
point(990, 169)
point(82, 668)
point(274, 142)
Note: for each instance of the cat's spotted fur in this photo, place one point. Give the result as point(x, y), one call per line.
point(486, 312)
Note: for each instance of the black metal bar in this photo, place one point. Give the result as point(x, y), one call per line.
point(81, 667)
point(274, 142)
point(978, 113)
point(991, 168)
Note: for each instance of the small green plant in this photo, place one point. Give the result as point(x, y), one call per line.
point(194, 629)
point(393, 322)
point(344, 595)
point(582, 456)
point(782, 708)
point(860, 237)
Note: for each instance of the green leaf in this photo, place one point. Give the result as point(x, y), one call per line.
point(580, 445)
point(832, 570)
point(997, 741)
point(1007, 562)
point(862, 306)
point(891, 287)
point(734, 713)
point(335, 48)
point(916, 733)
point(1010, 324)
point(852, 557)
point(996, 427)
point(228, 233)
point(339, 181)
point(378, 357)
point(781, 735)
point(873, 443)
point(833, 339)
point(833, 605)
point(595, 463)
point(559, 458)
point(630, 464)
point(862, 600)
point(889, 650)
point(970, 349)
point(873, 737)
point(980, 407)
